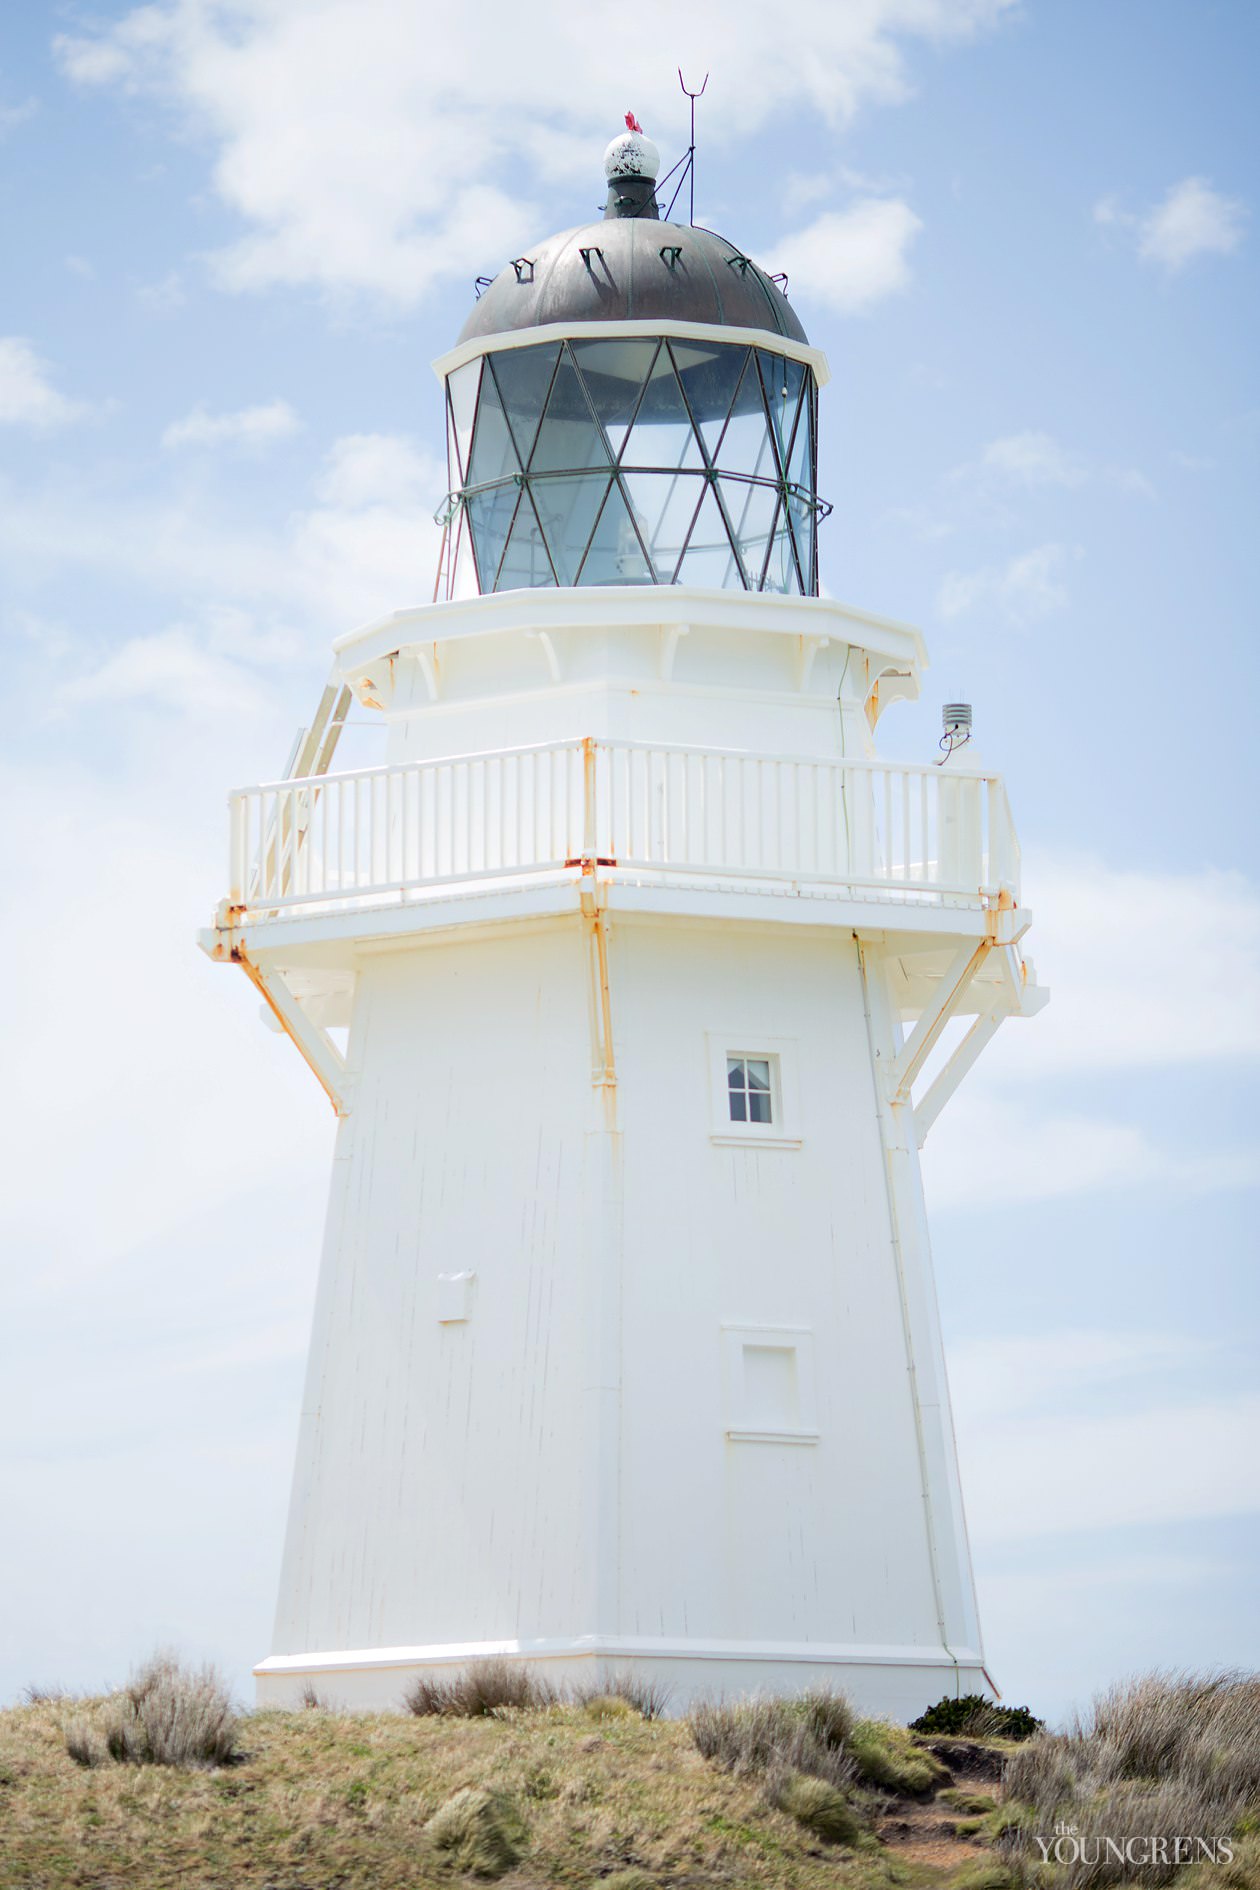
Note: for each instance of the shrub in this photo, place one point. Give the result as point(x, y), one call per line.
point(974, 1717)
point(648, 1698)
point(607, 1706)
point(887, 1756)
point(817, 1805)
point(167, 1714)
point(84, 1742)
point(807, 1734)
point(478, 1830)
point(483, 1688)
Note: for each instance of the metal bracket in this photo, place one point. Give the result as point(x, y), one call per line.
point(314, 1044)
point(946, 1080)
point(923, 1038)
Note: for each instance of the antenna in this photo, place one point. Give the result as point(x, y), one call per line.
point(691, 148)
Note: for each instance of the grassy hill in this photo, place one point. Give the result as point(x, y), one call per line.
point(576, 1793)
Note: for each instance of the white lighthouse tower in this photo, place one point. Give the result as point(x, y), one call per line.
point(626, 1352)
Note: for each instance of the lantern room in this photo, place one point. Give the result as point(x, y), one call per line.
point(635, 403)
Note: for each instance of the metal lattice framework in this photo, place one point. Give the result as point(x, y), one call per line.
point(632, 461)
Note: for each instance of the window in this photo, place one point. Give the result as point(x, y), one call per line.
point(752, 1089)
point(748, 1086)
point(634, 461)
point(768, 1373)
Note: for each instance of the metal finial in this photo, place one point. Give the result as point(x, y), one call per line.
point(691, 148)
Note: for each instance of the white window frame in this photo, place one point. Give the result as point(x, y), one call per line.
point(783, 1129)
point(738, 1418)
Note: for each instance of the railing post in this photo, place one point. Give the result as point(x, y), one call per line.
point(589, 848)
point(238, 847)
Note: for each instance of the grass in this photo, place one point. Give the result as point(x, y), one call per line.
point(1164, 1757)
point(321, 1799)
point(486, 1687)
point(577, 1793)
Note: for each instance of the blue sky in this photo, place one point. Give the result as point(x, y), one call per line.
point(1025, 234)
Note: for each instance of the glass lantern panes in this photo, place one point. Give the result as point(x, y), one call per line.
point(635, 461)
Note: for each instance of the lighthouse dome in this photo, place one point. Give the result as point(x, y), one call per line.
point(628, 269)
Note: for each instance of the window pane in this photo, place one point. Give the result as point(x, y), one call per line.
point(661, 435)
point(569, 437)
point(524, 376)
point(709, 377)
point(802, 517)
point(493, 454)
point(800, 469)
point(758, 1107)
point(615, 556)
point(735, 1072)
point(613, 373)
point(462, 388)
point(464, 578)
point(664, 506)
point(745, 446)
point(525, 562)
point(751, 510)
point(490, 515)
point(758, 1073)
point(739, 1109)
point(781, 570)
point(783, 380)
point(709, 559)
point(567, 509)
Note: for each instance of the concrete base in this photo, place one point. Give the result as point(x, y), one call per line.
point(890, 1682)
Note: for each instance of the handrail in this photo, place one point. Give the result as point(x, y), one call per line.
point(396, 832)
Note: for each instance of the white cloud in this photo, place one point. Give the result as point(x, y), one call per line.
point(249, 426)
point(165, 296)
point(1148, 970)
point(1033, 459)
point(850, 259)
point(27, 396)
point(1113, 947)
point(1040, 1462)
point(1048, 1475)
point(1023, 590)
point(363, 154)
point(990, 1149)
point(999, 1376)
point(1190, 220)
point(12, 116)
point(173, 669)
point(364, 544)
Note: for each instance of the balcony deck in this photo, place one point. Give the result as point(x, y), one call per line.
point(930, 837)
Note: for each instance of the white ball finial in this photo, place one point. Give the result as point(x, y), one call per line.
point(631, 154)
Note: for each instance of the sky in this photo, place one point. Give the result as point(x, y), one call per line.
point(236, 232)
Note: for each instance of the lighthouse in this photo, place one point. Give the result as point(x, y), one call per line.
point(636, 980)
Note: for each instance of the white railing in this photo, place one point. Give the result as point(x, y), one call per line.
point(380, 834)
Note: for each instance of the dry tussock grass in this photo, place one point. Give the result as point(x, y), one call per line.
point(1160, 1757)
point(326, 1798)
point(167, 1714)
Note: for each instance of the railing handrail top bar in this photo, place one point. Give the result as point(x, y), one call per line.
point(871, 765)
